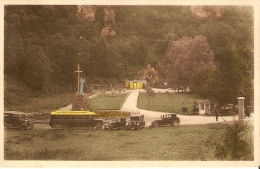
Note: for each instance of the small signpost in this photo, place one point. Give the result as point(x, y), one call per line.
point(241, 109)
point(78, 71)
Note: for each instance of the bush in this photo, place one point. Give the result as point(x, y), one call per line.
point(235, 145)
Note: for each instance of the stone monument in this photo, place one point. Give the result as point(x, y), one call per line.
point(241, 109)
point(80, 101)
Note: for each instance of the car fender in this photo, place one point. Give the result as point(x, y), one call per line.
point(157, 121)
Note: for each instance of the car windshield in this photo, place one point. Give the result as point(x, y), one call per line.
point(21, 116)
point(134, 118)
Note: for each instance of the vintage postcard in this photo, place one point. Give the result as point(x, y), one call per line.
point(129, 84)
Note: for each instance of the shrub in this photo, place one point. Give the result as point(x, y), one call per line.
point(235, 145)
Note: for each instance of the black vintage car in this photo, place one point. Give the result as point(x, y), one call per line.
point(115, 124)
point(136, 122)
point(227, 109)
point(15, 119)
point(166, 120)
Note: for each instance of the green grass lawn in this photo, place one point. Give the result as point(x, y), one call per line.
point(167, 102)
point(43, 103)
point(107, 102)
point(181, 143)
point(57, 101)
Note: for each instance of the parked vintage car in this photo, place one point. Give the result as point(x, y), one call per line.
point(115, 124)
point(15, 119)
point(135, 122)
point(166, 119)
point(227, 109)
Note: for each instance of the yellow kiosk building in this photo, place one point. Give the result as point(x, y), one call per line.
point(135, 84)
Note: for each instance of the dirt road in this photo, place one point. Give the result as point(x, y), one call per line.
point(131, 105)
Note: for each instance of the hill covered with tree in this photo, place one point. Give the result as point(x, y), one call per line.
point(209, 49)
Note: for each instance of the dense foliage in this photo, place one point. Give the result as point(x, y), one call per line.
point(235, 145)
point(186, 60)
point(43, 45)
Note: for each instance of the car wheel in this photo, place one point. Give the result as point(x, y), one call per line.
point(175, 123)
point(156, 125)
point(31, 126)
point(6, 126)
point(65, 126)
point(99, 126)
point(22, 127)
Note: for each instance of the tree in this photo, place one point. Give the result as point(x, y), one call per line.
point(148, 73)
point(13, 44)
point(186, 60)
point(116, 64)
point(36, 69)
point(99, 59)
point(234, 145)
point(142, 36)
point(229, 80)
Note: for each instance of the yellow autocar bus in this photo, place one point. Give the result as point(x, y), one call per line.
point(74, 119)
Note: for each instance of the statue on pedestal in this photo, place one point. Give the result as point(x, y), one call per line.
point(80, 101)
point(81, 91)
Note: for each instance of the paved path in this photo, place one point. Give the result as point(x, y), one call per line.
point(131, 105)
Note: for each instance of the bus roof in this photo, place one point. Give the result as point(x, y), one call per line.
point(69, 113)
point(14, 112)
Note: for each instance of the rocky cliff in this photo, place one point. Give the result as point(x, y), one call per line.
point(206, 11)
point(88, 12)
point(109, 22)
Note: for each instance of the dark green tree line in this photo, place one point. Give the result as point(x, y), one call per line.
point(53, 39)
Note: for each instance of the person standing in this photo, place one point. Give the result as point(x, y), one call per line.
point(216, 115)
point(247, 112)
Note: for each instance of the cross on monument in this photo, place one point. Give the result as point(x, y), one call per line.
point(78, 71)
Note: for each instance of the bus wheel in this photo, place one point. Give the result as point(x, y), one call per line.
point(65, 126)
point(98, 126)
